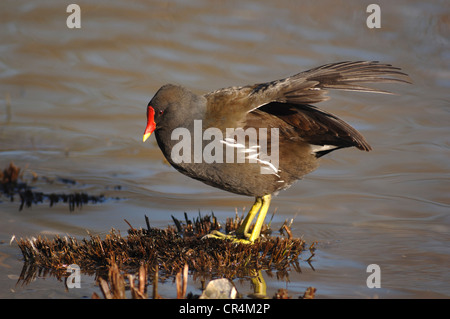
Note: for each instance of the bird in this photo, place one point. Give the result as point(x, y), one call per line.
point(223, 138)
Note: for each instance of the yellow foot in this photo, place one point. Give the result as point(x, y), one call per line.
point(261, 205)
point(218, 235)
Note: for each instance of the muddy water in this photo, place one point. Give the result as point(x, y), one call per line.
point(72, 104)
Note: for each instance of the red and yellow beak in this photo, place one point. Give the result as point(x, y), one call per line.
point(151, 125)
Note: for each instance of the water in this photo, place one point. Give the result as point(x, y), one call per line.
point(72, 104)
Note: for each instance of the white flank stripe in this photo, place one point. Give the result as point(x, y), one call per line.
point(320, 148)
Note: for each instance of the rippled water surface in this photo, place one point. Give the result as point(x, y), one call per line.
point(72, 104)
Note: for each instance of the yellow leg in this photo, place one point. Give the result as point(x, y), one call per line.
point(260, 220)
point(242, 231)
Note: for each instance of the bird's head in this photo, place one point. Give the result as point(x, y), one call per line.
point(171, 107)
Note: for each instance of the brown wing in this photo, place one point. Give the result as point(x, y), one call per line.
point(314, 126)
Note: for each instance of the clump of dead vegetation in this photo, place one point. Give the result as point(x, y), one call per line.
point(160, 253)
point(166, 249)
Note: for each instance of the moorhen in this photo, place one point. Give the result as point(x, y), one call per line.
point(224, 138)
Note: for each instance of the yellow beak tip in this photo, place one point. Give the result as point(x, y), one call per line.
point(146, 136)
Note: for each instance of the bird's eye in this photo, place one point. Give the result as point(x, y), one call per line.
point(160, 112)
